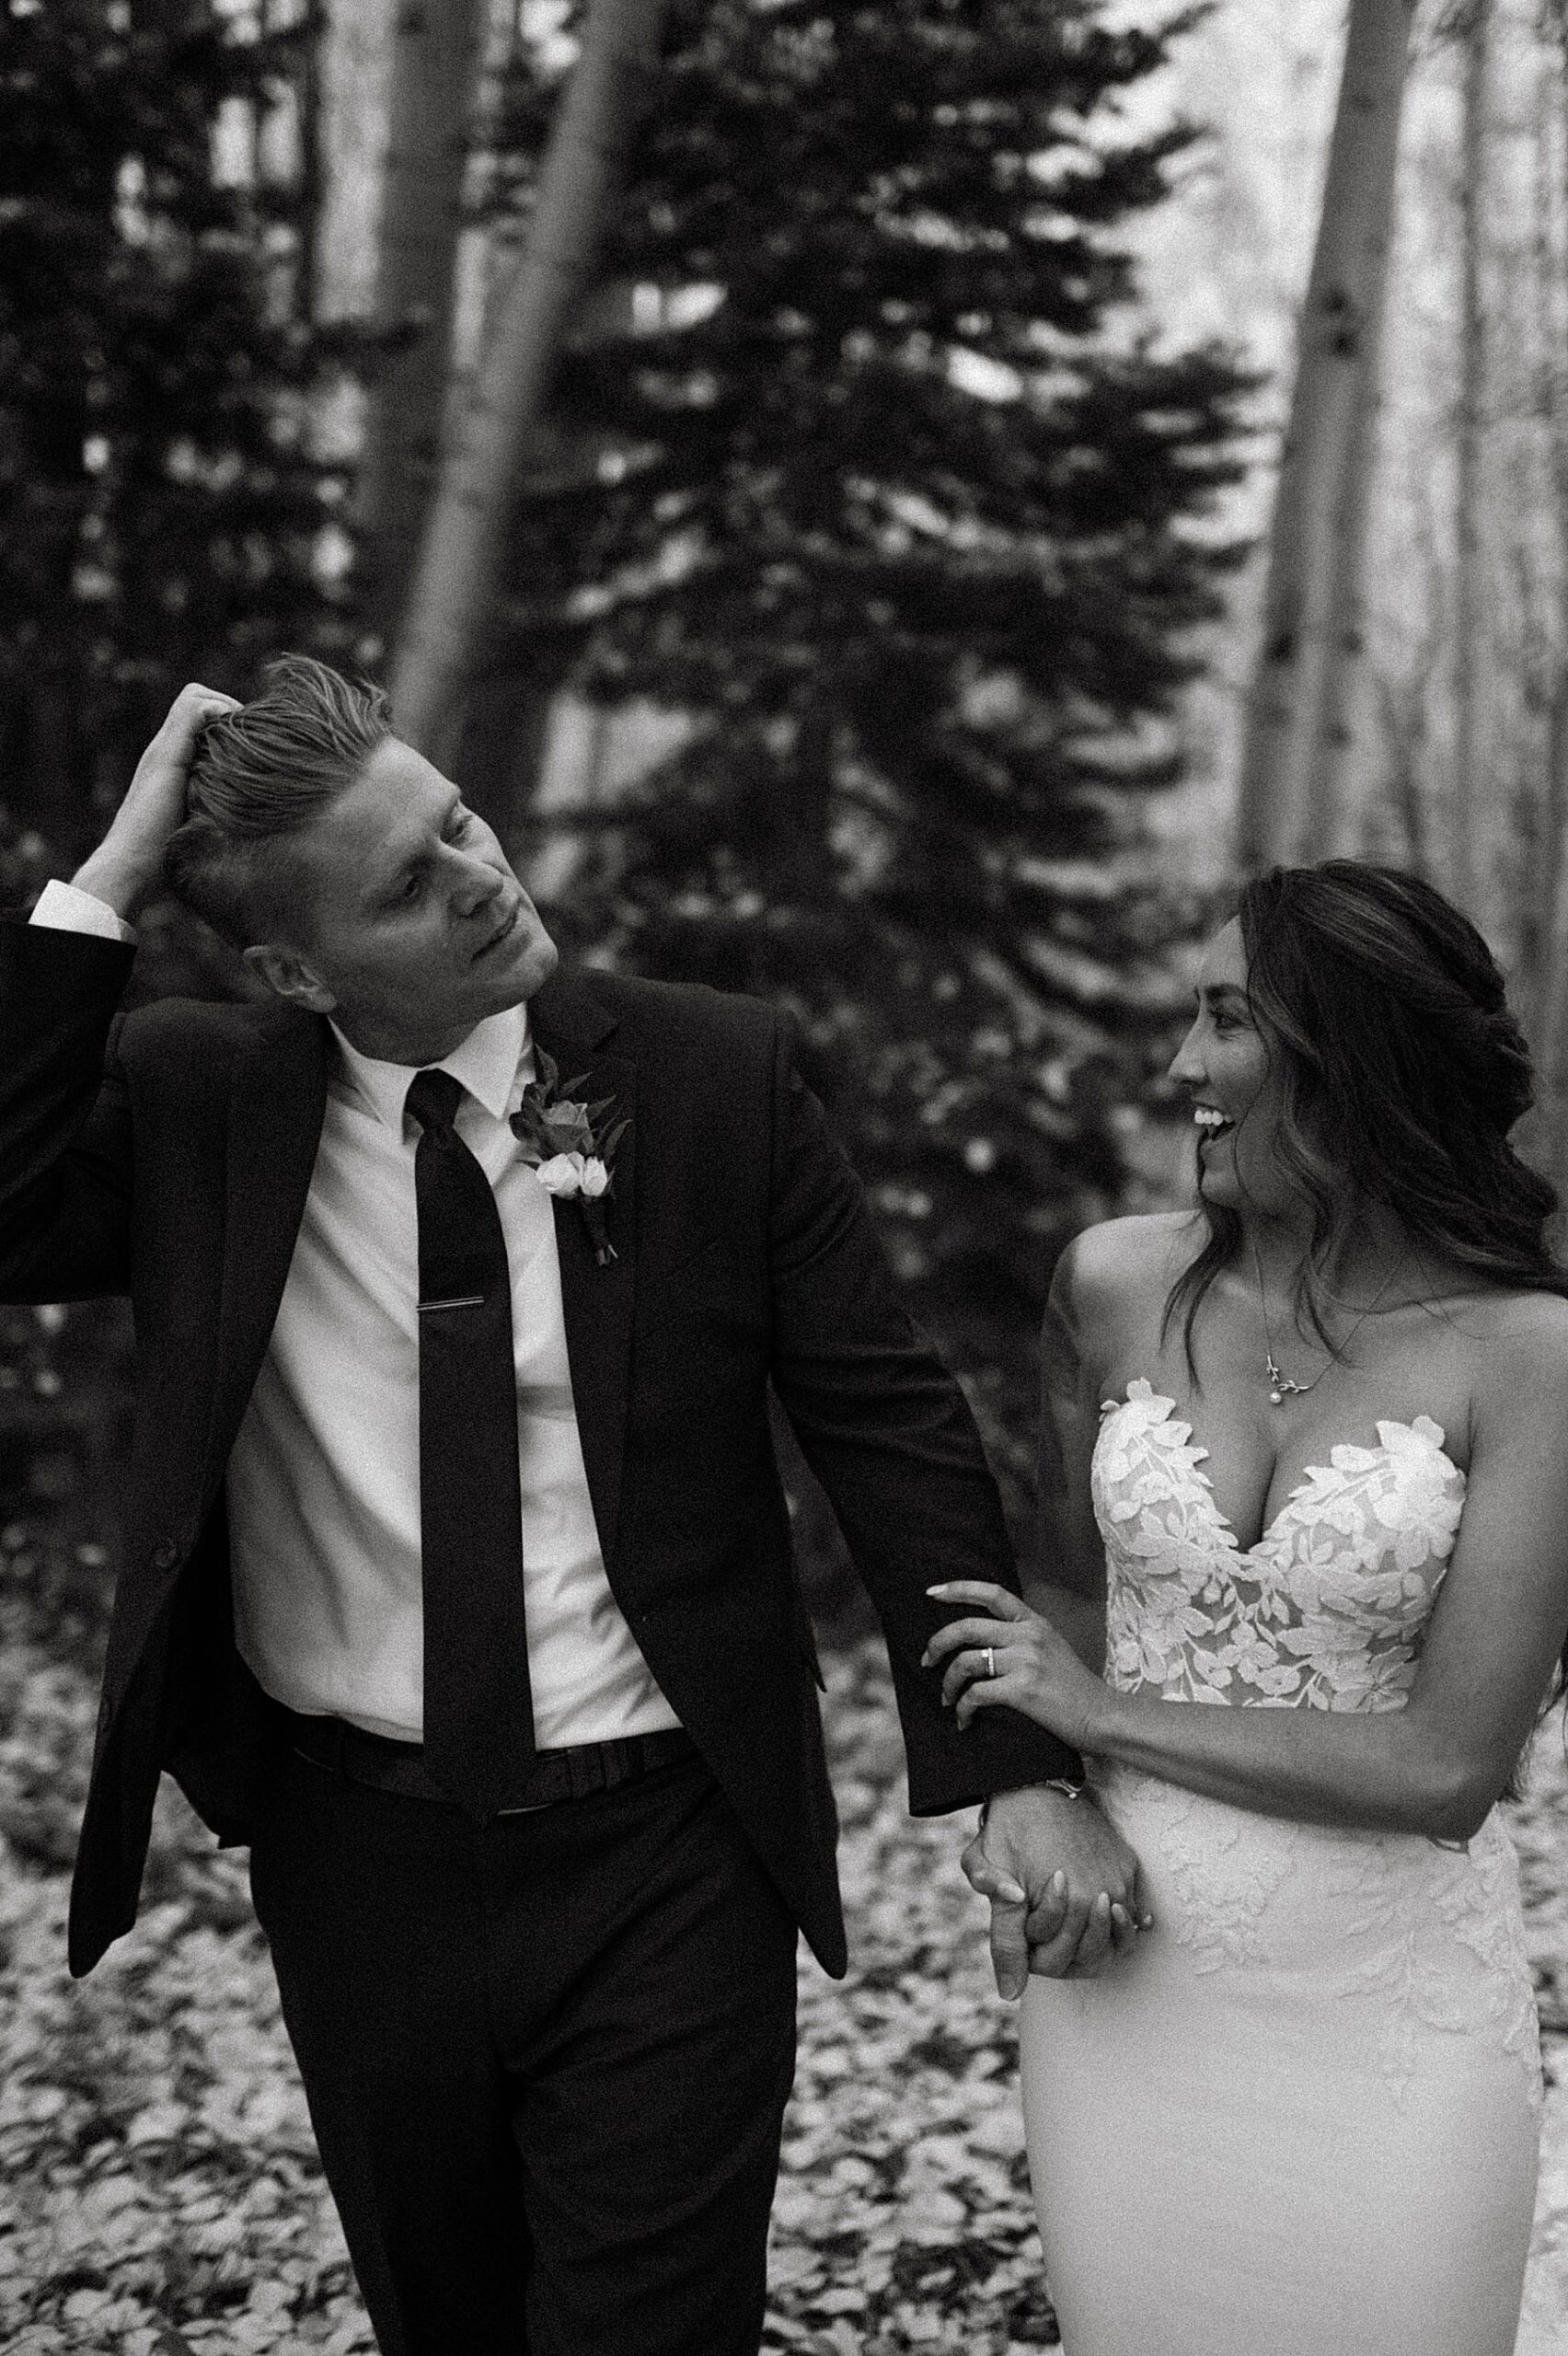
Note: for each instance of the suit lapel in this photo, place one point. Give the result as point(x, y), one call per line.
point(596, 1302)
point(277, 1100)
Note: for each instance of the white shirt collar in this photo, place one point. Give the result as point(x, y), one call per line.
point(489, 1062)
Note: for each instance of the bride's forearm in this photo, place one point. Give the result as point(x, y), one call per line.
point(1434, 1767)
point(1384, 1769)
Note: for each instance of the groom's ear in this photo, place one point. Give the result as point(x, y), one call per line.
point(290, 973)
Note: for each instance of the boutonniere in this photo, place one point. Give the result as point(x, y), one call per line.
point(571, 1146)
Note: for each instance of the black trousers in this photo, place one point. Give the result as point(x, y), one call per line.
point(547, 2061)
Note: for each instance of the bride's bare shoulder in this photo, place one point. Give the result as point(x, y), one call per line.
point(1517, 1361)
point(1121, 1261)
point(1524, 1336)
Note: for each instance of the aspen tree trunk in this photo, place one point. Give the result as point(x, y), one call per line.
point(1549, 1121)
point(435, 47)
point(1295, 800)
point(1462, 875)
point(311, 175)
point(1550, 292)
point(1548, 1131)
point(354, 74)
point(459, 561)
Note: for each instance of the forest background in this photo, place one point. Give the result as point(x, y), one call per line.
point(817, 485)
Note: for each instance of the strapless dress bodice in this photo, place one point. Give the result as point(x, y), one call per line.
point(1327, 1610)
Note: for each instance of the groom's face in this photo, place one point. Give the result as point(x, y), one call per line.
point(412, 926)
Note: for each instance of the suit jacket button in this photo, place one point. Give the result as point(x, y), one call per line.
point(165, 1554)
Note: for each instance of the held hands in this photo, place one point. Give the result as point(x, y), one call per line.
point(1005, 1652)
point(1062, 1886)
point(128, 860)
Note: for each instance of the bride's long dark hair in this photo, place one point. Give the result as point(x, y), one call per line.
point(1403, 1072)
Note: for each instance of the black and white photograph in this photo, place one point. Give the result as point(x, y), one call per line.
point(783, 1177)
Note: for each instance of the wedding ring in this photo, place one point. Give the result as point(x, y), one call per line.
point(990, 1660)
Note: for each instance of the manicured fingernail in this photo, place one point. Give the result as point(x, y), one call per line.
point(1119, 1916)
point(1102, 1905)
point(1146, 1922)
point(926, 1660)
point(1058, 1881)
point(938, 1590)
point(1011, 1893)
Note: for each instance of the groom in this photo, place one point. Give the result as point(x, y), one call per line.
point(458, 1578)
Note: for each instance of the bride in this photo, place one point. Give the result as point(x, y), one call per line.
point(1306, 1583)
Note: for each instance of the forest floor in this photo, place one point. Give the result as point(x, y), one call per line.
point(159, 2191)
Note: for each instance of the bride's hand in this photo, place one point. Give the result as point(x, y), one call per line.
point(1006, 1652)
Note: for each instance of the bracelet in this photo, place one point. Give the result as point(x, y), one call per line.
point(1050, 1783)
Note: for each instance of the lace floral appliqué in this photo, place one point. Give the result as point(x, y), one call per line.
point(1326, 1611)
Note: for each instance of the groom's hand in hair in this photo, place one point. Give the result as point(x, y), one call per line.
point(1061, 1882)
point(128, 863)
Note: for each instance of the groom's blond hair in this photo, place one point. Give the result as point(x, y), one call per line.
point(260, 775)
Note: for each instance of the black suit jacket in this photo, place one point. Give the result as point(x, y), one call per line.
point(168, 1153)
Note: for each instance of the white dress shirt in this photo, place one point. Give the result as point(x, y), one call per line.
point(323, 1480)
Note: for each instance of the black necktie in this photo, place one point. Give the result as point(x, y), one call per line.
point(478, 1715)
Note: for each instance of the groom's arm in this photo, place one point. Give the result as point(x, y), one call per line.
point(887, 1431)
point(64, 1116)
point(66, 1148)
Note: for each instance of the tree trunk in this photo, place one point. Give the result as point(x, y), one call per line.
point(1308, 694)
point(499, 421)
point(1547, 1134)
point(1549, 1121)
point(435, 47)
point(1461, 862)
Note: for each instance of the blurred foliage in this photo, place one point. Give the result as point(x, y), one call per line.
point(163, 513)
point(887, 490)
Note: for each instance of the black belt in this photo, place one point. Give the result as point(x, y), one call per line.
point(388, 1766)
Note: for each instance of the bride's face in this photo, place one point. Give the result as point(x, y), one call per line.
point(1225, 1065)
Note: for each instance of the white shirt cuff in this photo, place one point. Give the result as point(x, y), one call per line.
point(64, 909)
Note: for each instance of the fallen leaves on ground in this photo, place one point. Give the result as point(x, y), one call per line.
point(161, 2195)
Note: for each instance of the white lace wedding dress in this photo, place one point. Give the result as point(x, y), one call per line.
point(1301, 2118)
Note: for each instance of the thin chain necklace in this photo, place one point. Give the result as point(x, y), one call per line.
point(1281, 1385)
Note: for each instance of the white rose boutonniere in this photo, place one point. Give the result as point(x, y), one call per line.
point(574, 1173)
point(571, 1146)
